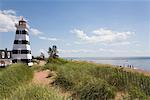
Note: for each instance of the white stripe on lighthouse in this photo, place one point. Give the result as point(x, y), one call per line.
point(22, 37)
point(22, 46)
point(22, 56)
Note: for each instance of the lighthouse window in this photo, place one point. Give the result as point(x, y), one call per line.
point(15, 42)
point(25, 52)
point(19, 51)
point(25, 42)
point(14, 51)
point(17, 32)
point(24, 32)
point(19, 41)
point(20, 32)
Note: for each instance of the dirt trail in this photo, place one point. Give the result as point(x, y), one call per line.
point(41, 77)
point(42, 62)
point(47, 77)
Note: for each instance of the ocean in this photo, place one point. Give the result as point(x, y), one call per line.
point(136, 62)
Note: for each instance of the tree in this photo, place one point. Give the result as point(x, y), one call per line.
point(53, 52)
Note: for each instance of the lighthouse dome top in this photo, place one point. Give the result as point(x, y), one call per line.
point(22, 20)
point(21, 24)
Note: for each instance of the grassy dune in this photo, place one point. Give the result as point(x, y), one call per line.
point(13, 76)
point(35, 92)
point(90, 81)
point(83, 80)
point(16, 84)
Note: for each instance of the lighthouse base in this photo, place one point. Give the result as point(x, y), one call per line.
point(27, 61)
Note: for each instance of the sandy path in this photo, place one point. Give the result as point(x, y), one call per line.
point(41, 77)
point(42, 62)
point(47, 77)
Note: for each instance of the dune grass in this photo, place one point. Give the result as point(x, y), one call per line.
point(86, 81)
point(12, 77)
point(91, 81)
point(35, 92)
point(16, 84)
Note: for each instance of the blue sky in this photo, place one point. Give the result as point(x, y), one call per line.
point(81, 28)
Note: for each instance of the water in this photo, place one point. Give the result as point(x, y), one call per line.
point(137, 62)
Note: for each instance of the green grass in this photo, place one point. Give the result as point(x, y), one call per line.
point(12, 77)
point(86, 81)
point(16, 84)
point(99, 81)
point(35, 92)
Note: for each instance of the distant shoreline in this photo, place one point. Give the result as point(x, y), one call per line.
point(142, 63)
point(109, 58)
point(135, 69)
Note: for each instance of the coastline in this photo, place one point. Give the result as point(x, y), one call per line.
point(135, 69)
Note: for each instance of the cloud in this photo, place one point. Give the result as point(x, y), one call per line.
point(103, 36)
point(75, 51)
point(8, 19)
point(68, 44)
point(47, 38)
point(35, 31)
point(86, 50)
point(43, 51)
point(77, 42)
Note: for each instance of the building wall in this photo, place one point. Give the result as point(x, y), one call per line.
point(4, 54)
point(5, 57)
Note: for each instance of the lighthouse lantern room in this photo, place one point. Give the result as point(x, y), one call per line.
point(21, 48)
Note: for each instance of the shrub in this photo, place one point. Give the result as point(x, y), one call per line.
point(56, 61)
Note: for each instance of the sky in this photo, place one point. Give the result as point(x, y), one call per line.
point(80, 28)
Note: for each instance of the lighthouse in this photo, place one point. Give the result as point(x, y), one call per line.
point(21, 48)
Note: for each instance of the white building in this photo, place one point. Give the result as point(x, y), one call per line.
point(5, 57)
point(21, 48)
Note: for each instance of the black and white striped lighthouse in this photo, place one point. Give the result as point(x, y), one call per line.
point(21, 48)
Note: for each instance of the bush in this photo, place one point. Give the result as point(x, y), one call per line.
point(56, 61)
point(13, 76)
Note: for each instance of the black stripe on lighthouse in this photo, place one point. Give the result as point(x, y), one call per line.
point(21, 42)
point(21, 51)
point(22, 32)
point(22, 60)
